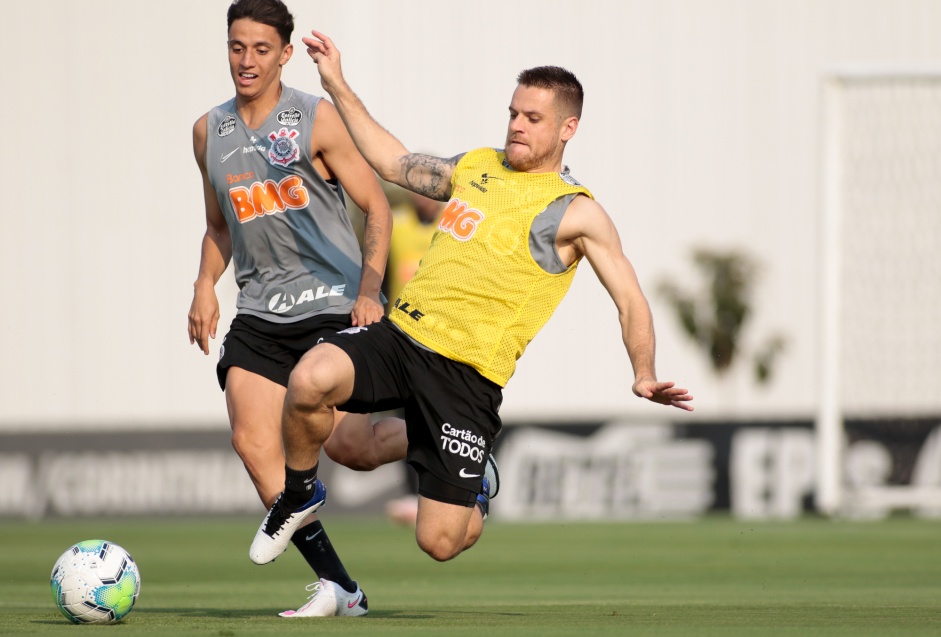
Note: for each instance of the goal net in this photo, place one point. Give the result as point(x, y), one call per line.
point(880, 350)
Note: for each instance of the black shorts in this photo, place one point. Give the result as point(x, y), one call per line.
point(273, 349)
point(451, 411)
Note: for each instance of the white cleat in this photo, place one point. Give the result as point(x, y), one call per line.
point(329, 599)
point(279, 525)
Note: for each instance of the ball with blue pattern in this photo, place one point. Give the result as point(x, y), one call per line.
point(95, 582)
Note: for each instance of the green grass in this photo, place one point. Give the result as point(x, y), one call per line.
point(709, 577)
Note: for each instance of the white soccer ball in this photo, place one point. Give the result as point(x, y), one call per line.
point(95, 582)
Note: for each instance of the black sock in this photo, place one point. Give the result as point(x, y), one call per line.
point(315, 546)
point(298, 485)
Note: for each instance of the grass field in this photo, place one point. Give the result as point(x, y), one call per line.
point(709, 577)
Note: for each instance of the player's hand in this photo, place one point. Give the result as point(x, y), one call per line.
point(367, 310)
point(663, 393)
point(203, 317)
point(327, 57)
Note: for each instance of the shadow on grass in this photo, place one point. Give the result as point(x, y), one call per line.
point(268, 613)
point(258, 613)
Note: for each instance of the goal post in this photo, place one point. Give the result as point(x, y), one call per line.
point(880, 279)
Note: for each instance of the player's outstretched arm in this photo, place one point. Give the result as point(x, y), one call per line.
point(587, 230)
point(331, 141)
point(216, 250)
point(424, 174)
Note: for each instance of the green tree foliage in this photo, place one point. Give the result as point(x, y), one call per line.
point(714, 315)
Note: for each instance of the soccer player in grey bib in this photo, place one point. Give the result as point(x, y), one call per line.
point(275, 163)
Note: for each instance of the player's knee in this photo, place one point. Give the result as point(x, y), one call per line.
point(309, 384)
point(244, 443)
point(439, 546)
point(440, 551)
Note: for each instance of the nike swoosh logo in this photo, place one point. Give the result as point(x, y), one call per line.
point(310, 537)
point(464, 474)
point(354, 603)
point(309, 480)
point(224, 157)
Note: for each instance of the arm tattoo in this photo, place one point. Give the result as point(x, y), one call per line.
point(375, 254)
point(370, 243)
point(429, 176)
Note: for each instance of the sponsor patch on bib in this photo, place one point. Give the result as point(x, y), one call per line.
point(226, 126)
point(290, 117)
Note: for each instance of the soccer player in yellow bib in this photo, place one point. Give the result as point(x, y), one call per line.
point(513, 231)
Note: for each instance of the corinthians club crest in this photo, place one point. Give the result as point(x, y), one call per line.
point(284, 150)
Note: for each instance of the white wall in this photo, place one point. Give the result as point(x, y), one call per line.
point(700, 129)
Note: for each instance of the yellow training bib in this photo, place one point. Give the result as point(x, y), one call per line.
point(479, 297)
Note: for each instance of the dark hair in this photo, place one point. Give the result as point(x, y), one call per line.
point(568, 90)
point(271, 12)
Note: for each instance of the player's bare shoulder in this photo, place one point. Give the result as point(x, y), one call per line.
point(328, 126)
point(583, 217)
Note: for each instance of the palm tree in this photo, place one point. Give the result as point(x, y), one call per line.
point(713, 317)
